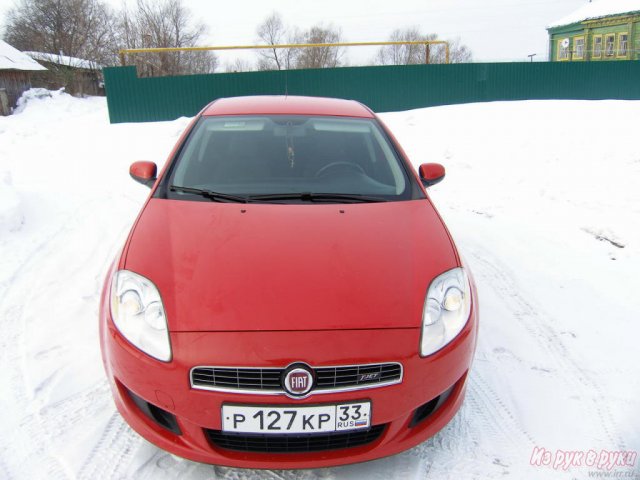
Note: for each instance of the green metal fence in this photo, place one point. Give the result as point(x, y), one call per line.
point(384, 89)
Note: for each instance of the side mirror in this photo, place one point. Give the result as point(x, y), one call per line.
point(431, 173)
point(144, 173)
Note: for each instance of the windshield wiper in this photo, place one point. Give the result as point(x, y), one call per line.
point(318, 197)
point(215, 196)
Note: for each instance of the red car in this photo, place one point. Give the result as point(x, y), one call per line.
point(289, 296)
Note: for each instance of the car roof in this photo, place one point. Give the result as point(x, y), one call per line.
point(287, 105)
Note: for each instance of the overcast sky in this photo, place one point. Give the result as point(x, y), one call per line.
point(495, 30)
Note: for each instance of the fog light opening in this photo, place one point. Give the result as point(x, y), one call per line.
point(424, 411)
point(156, 414)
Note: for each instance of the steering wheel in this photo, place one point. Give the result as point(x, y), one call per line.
point(350, 165)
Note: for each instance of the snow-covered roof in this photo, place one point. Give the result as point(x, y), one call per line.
point(13, 59)
point(598, 9)
point(65, 60)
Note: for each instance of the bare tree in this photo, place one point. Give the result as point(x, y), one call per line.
point(320, 57)
point(458, 53)
point(274, 32)
point(405, 54)
point(76, 28)
point(238, 65)
point(165, 24)
point(409, 54)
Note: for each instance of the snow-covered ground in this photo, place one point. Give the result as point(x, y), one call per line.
point(542, 197)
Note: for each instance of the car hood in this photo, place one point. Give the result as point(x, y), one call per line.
point(269, 267)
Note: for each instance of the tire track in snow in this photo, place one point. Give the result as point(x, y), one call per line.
point(29, 441)
point(112, 453)
point(44, 423)
point(494, 414)
point(64, 415)
point(4, 470)
point(448, 450)
point(482, 432)
point(538, 325)
point(497, 437)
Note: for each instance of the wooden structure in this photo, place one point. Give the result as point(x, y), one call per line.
point(16, 69)
point(76, 75)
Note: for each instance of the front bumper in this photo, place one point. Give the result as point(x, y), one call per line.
point(135, 377)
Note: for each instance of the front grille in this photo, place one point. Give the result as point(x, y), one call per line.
point(335, 377)
point(291, 443)
point(268, 380)
point(237, 378)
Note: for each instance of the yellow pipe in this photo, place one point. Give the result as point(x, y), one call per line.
point(126, 51)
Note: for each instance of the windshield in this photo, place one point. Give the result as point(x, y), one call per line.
point(284, 156)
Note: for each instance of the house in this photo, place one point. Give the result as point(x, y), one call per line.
point(601, 30)
point(16, 69)
point(76, 75)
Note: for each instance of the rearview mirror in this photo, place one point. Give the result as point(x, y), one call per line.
point(431, 173)
point(144, 173)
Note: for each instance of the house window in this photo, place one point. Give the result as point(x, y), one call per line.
point(578, 47)
point(563, 52)
point(609, 45)
point(623, 41)
point(597, 47)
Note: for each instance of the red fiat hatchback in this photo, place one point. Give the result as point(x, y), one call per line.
point(288, 296)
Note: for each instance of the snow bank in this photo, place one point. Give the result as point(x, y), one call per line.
point(34, 95)
point(598, 9)
point(52, 100)
point(546, 215)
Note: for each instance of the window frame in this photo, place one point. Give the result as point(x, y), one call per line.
point(618, 45)
point(560, 48)
point(593, 47)
point(607, 36)
point(575, 46)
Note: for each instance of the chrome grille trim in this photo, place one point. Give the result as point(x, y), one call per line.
point(266, 380)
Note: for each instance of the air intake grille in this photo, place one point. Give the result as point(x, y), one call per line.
point(269, 380)
point(287, 443)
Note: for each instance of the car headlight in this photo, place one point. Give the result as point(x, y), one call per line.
point(138, 313)
point(446, 310)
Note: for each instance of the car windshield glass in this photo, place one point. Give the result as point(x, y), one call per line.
point(275, 158)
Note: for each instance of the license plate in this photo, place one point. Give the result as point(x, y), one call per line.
point(311, 419)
